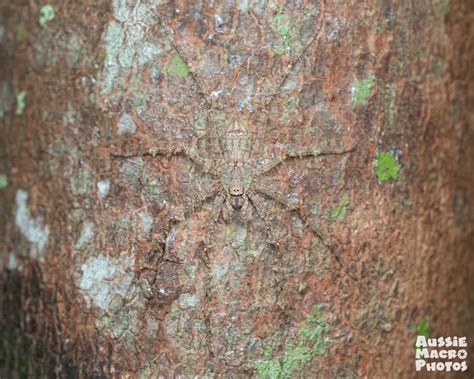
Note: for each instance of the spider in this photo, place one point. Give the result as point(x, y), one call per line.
point(237, 189)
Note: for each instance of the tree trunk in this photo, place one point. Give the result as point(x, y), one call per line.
point(133, 132)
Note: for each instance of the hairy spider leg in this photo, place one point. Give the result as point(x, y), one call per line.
point(271, 193)
point(197, 204)
point(201, 198)
point(258, 204)
point(246, 210)
point(204, 93)
point(269, 98)
point(203, 164)
point(206, 165)
point(216, 211)
point(289, 153)
point(259, 188)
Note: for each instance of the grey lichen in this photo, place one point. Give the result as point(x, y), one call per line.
point(86, 234)
point(14, 264)
point(76, 49)
point(69, 117)
point(5, 99)
point(103, 188)
point(187, 301)
point(106, 279)
point(146, 222)
point(132, 169)
point(126, 125)
point(82, 182)
point(127, 47)
point(32, 229)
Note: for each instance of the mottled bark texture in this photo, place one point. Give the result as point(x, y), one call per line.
point(105, 271)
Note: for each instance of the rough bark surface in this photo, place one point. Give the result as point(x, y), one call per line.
point(105, 267)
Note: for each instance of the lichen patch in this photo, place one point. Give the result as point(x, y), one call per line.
point(86, 234)
point(31, 228)
point(103, 188)
point(362, 90)
point(106, 279)
point(126, 125)
point(3, 181)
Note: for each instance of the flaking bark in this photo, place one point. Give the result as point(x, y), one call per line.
point(105, 205)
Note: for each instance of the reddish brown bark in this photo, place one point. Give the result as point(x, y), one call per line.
point(104, 272)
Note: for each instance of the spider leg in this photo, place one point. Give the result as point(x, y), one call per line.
point(333, 250)
point(202, 90)
point(226, 211)
point(288, 153)
point(246, 210)
point(276, 89)
point(197, 203)
point(193, 206)
point(215, 213)
point(295, 208)
point(204, 93)
point(278, 197)
point(203, 164)
point(257, 203)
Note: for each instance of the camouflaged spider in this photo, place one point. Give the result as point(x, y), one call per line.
point(237, 189)
point(237, 177)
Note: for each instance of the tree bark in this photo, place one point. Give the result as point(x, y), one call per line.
point(112, 264)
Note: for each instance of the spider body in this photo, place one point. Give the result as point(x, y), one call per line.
point(236, 185)
point(239, 193)
point(236, 175)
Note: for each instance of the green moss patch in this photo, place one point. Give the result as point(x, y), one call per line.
point(386, 167)
point(20, 32)
point(362, 90)
point(421, 328)
point(339, 212)
point(284, 26)
point(310, 341)
point(176, 67)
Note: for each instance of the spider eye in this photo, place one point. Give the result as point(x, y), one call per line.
point(235, 191)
